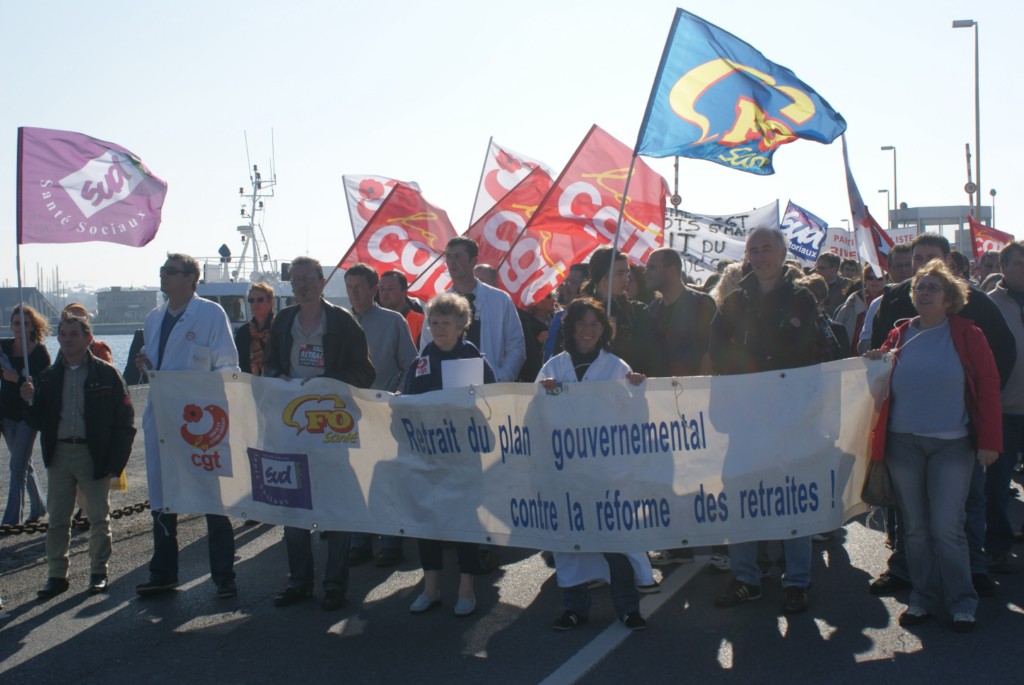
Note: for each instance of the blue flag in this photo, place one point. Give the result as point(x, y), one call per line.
point(717, 98)
point(805, 232)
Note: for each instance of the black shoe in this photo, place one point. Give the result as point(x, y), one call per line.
point(390, 556)
point(913, 616)
point(227, 589)
point(333, 600)
point(568, 621)
point(97, 583)
point(737, 593)
point(998, 563)
point(796, 600)
point(983, 585)
point(888, 584)
point(54, 587)
point(291, 595)
point(634, 621)
point(155, 587)
point(359, 555)
point(489, 560)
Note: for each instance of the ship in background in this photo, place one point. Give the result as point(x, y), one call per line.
point(226, 279)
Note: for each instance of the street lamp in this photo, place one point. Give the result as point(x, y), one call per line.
point(993, 194)
point(966, 24)
point(847, 222)
point(886, 191)
point(895, 194)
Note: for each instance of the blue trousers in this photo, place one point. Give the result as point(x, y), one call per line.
point(220, 538)
point(20, 441)
point(299, 546)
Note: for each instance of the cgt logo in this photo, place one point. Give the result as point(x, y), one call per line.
point(333, 421)
point(205, 428)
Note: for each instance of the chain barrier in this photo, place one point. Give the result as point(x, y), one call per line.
point(29, 528)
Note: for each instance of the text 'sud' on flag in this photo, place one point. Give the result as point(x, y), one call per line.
point(407, 233)
point(717, 98)
point(804, 232)
point(73, 188)
point(985, 238)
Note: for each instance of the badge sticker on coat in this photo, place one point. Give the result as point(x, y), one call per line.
point(423, 367)
point(311, 356)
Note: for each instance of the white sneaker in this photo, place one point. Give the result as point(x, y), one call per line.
point(719, 561)
point(465, 606)
point(424, 603)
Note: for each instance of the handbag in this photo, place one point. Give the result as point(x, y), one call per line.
point(878, 490)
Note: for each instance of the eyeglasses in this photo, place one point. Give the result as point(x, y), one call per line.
point(254, 300)
point(927, 288)
point(172, 271)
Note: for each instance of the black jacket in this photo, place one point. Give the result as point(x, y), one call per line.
point(755, 331)
point(109, 416)
point(897, 305)
point(346, 355)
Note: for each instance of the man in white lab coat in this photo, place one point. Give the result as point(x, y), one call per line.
point(186, 333)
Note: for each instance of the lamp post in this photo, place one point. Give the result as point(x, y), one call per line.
point(993, 194)
point(966, 24)
point(889, 211)
point(895, 194)
point(847, 222)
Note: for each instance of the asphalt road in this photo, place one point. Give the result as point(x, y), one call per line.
point(190, 636)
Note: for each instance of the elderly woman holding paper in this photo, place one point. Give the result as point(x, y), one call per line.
point(586, 334)
point(943, 412)
point(448, 316)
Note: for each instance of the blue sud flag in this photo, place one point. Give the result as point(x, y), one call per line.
point(717, 98)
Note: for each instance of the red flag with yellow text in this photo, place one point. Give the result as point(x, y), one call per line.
point(587, 196)
point(407, 234)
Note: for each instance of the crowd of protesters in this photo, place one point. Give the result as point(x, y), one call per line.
point(955, 405)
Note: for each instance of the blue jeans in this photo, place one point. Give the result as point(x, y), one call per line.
point(932, 478)
point(20, 441)
point(299, 546)
point(743, 561)
point(625, 597)
point(220, 537)
point(998, 531)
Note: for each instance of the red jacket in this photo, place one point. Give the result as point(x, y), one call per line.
point(982, 381)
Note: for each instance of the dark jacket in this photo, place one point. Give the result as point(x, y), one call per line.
point(346, 355)
point(424, 374)
point(755, 331)
point(679, 334)
point(897, 305)
point(109, 416)
point(11, 406)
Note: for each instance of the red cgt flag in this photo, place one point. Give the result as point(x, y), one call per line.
point(985, 238)
point(587, 196)
point(407, 234)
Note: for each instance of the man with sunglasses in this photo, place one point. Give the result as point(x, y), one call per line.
point(185, 333)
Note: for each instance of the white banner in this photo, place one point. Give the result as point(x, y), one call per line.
point(841, 242)
point(703, 240)
point(602, 466)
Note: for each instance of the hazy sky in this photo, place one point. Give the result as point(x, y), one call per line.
point(413, 90)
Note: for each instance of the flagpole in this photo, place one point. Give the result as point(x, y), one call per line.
point(618, 231)
point(17, 250)
point(483, 167)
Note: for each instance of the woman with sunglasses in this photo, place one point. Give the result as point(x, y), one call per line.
point(251, 339)
point(942, 413)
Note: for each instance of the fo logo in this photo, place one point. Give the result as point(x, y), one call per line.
point(321, 414)
point(204, 429)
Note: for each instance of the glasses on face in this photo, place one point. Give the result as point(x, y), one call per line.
point(254, 300)
point(171, 271)
point(927, 288)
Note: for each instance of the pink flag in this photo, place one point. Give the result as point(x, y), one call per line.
point(503, 170)
point(364, 195)
point(73, 188)
point(985, 238)
point(587, 196)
